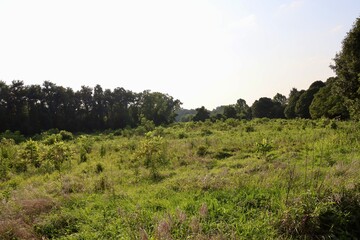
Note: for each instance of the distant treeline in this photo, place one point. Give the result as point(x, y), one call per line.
point(32, 109)
point(319, 100)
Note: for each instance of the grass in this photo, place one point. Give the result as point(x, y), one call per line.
point(259, 179)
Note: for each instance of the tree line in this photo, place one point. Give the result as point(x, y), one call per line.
point(34, 108)
point(319, 100)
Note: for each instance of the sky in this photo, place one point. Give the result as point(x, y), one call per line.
point(202, 52)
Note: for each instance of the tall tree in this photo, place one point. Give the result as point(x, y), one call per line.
point(262, 108)
point(327, 103)
point(158, 107)
point(4, 99)
point(201, 114)
point(294, 96)
point(347, 68)
point(306, 98)
point(17, 109)
point(230, 112)
point(242, 109)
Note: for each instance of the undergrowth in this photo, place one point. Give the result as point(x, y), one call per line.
point(259, 179)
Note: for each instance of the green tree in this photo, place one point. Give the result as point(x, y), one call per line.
point(279, 98)
point(294, 96)
point(327, 103)
point(158, 107)
point(230, 112)
point(242, 109)
point(306, 98)
point(4, 99)
point(201, 114)
point(347, 68)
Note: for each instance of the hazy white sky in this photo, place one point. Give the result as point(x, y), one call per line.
point(202, 52)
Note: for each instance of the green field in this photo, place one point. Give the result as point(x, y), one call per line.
point(259, 179)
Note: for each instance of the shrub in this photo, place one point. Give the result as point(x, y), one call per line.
point(99, 168)
point(102, 151)
point(66, 136)
point(16, 136)
point(182, 135)
point(202, 151)
point(249, 129)
point(31, 153)
point(332, 216)
point(222, 154)
point(57, 154)
point(83, 155)
point(264, 147)
point(152, 153)
point(57, 225)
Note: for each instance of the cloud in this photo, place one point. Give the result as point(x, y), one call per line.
point(291, 6)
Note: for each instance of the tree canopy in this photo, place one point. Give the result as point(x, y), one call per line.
point(32, 109)
point(347, 69)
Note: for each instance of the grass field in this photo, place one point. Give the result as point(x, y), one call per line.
point(259, 179)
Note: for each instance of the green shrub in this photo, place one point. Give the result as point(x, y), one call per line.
point(16, 136)
point(182, 135)
point(57, 154)
point(222, 154)
point(31, 153)
point(102, 151)
point(152, 154)
point(57, 225)
point(66, 136)
point(99, 168)
point(249, 129)
point(202, 151)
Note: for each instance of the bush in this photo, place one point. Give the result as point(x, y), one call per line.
point(16, 136)
point(152, 154)
point(57, 155)
point(333, 216)
point(202, 151)
point(66, 136)
point(58, 225)
point(31, 153)
point(99, 168)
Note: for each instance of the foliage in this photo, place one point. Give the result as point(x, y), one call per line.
point(347, 68)
point(327, 103)
point(152, 154)
point(32, 109)
point(201, 186)
point(57, 154)
point(267, 108)
point(201, 114)
point(294, 96)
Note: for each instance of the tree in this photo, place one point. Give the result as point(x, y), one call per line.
point(4, 99)
point(242, 109)
point(158, 107)
point(201, 114)
point(347, 68)
point(294, 96)
point(230, 112)
point(262, 108)
point(280, 102)
point(17, 107)
point(306, 98)
point(279, 98)
point(327, 103)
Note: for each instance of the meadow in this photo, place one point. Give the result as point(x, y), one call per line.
point(232, 179)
